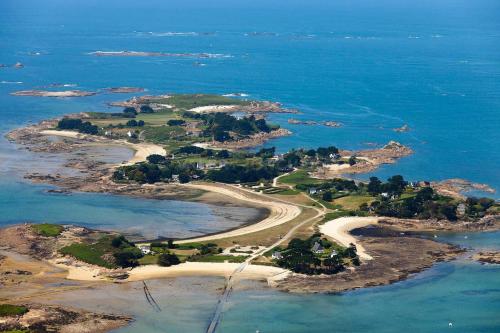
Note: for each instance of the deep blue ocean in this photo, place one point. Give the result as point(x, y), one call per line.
point(372, 65)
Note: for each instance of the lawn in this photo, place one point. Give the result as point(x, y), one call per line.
point(298, 177)
point(162, 134)
point(7, 310)
point(336, 215)
point(47, 229)
point(220, 258)
point(352, 202)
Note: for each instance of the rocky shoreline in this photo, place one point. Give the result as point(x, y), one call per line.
point(394, 259)
point(487, 257)
point(51, 318)
point(47, 93)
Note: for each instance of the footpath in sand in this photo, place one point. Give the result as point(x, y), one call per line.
point(142, 150)
point(339, 229)
point(280, 212)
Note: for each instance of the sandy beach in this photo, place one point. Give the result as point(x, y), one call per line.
point(214, 108)
point(280, 212)
point(338, 229)
point(254, 272)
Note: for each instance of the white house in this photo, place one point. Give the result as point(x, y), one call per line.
point(145, 249)
point(313, 190)
point(317, 248)
point(277, 255)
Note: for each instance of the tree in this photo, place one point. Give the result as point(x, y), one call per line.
point(184, 178)
point(221, 135)
point(170, 244)
point(176, 122)
point(168, 259)
point(128, 256)
point(132, 123)
point(146, 109)
point(425, 194)
point(374, 186)
point(327, 196)
point(156, 158)
point(352, 160)
point(130, 110)
point(223, 154)
point(311, 153)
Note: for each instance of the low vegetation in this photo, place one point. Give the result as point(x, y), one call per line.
point(9, 310)
point(47, 229)
point(315, 255)
point(109, 252)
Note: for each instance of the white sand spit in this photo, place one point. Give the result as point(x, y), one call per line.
point(338, 229)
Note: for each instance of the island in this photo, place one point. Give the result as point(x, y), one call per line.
point(322, 231)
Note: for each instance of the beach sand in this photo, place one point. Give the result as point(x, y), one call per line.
point(338, 229)
point(253, 272)
point(214, 108)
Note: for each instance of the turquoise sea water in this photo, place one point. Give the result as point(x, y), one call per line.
point(372, 65)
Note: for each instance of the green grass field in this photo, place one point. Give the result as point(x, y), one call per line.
point(299, 177)
point(7, 310)
point(220, 258)
point(47, 229)
point(352, 202)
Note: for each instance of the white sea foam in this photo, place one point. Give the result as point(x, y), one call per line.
point(171, 34)
point(157, 54)
point(236, 95)
point(11, 82)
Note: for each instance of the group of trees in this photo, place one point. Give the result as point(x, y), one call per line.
point(220, 125)
point(395, 185)
point(176, 122)
point(146, 109)
point(157, 169)
point(135, 123)
point(298, 257)
point(242, 174)
point(77, 124)
point(322, 152)
point(425, 205)
point(126, 253)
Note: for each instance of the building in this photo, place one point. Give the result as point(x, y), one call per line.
point(145, 249)
point(277, 255)
point(317, 248)
point(312, 190)
point(461, 209)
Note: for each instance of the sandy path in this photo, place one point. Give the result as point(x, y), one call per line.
point(338, 229)
point(142, 150)
point(281, 212)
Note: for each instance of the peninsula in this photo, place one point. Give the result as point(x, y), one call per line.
point(189, 147)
